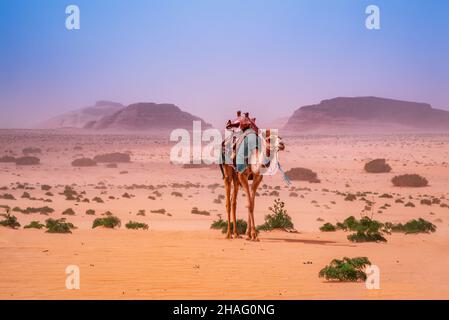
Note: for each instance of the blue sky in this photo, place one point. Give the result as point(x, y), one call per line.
point(212, 57)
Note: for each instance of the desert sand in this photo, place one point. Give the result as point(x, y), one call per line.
point(179, 257)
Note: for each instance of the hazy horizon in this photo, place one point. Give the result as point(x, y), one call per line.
point(212, 58)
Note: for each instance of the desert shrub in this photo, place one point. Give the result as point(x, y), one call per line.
point(141, 213)
point(115, 157)
point(436, 201)
point(409, 204)
point(409, 180)
point(107, 222)
point(126, 195)
point(98, 199)
point(45, 187)
point(28, 161)
point(346, 269)
point(218, 224)
point(223, 226)
point(386, 195)
point(7, 196)
point(377, 166)
point(367, 236)
point(279, 219)
point(302, 174)
point(136, 225)
point(200, 212)
point(350, 197)
point(34, 225)
point(349, 223)
point(412, 226)
point(176, 194)
point(241, 226)
point(26, 195)
point(273, 193)
point(42, 210)
point(83, 162)
point(366, 229)
point(69, 193)
point(7, 159)
point(159, 211)
point(30, 150)
point(426, 202)
point(69, 212)
point(58, 226)
point(90, 212)
point(328, 227)
point(9, 221)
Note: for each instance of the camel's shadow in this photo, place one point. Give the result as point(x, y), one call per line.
point(308, 241)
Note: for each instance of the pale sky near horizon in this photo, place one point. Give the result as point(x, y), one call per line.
point(210, 58)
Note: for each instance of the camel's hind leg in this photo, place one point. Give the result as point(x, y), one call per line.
point(235, 191)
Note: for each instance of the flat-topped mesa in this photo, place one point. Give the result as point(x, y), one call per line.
point(368, 114)
point(147, 116)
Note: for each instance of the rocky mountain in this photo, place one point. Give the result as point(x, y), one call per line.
point(80, 118)
point(146, 117)
point(368, 114)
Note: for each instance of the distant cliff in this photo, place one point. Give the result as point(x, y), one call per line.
point(368, 114)
point(146, 116)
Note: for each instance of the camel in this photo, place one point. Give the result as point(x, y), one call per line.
point(255, 170)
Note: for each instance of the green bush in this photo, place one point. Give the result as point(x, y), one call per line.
point(136, 225)
point(412, 226)
point(9, 221)
point(328, 227)
point(367, 236)
point(409, 180)
point(279, 219)
point(223, 226)
point(218, 224)
point(34, 225)
point(59, 226)
point(346, 269)
point(107, 222)
point(366, 229)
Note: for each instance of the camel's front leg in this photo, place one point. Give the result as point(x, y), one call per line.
point(244, 182)
point(257, 179)
point(235, 192)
